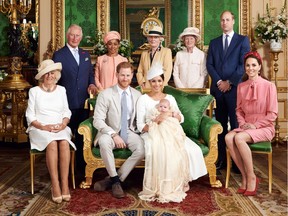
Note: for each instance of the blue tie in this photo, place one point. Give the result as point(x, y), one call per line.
point(124, 121)
point(76, 55)
point(226, 44)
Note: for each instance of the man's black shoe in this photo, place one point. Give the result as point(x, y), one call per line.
point(235, 169)
point(220, 165)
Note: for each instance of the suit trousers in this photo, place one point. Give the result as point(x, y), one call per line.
point(78, 115)
point(224, 112)
point(134, 143)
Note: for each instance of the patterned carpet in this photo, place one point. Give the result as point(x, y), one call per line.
point(16, 199)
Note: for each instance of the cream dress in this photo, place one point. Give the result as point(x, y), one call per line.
point(47, 108)
point(171, 159)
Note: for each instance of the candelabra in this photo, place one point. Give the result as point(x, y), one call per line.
point(10, 7)
point(277, 138)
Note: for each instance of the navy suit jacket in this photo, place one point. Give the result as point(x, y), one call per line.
point(75, 78)
point(229, 67)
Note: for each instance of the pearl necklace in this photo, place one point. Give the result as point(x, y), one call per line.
point(48, 89)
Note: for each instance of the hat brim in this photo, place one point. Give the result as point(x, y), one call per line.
point(198, 37)
point(155, 35)
point(56, 66)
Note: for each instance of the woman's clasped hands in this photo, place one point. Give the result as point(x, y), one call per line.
point(55, 128)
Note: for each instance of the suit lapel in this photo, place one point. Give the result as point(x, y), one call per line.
point(116, 100)
point(232, 44)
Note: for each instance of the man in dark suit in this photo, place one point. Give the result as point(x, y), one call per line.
point(225, 65)
point(77, 77)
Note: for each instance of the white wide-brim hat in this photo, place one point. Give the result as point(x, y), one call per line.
point(190, 31)
point(155, 70)
point(155, 31)
point(46, 66)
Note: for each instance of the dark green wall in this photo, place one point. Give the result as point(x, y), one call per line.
point(4, 24)
point(179, 18)
point(212, 12)
point(114, 10)
point(83, 13)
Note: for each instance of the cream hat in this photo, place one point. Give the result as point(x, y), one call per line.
point(155, 31)
point(155, 70)
point(190, 31)
point(111, 35)
point(46, 66)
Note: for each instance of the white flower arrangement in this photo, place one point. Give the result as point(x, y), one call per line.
point(100, 48)
point(268, 27)
point(3, 74)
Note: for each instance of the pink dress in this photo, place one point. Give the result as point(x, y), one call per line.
point(257, 104)
point(105, 71)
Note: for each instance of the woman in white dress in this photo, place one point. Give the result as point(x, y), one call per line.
point(190, 64)
point(47, 116)
point(169, 164)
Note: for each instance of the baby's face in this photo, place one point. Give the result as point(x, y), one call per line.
point(163, 107)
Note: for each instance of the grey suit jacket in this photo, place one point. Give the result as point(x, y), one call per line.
point(107, 112)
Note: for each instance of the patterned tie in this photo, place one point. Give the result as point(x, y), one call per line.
point(76, 55)
point(124, 121)
point(226, 44)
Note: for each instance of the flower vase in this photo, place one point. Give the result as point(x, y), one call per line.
point(275, 46)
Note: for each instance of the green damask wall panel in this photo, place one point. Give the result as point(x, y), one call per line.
point(114, 11)
point(83, 13)
point(179, 18)
point(4, 24)
point(212, 12)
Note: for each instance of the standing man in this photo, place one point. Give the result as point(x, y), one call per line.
point(114, 118)
point(78, 78)
point(225, 65)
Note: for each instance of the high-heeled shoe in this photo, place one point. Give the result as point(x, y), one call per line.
point(56, 199)
point(240, 191)
point(66, 198)
point(253, 193)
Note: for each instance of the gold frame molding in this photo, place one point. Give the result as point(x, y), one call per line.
point(123, 20)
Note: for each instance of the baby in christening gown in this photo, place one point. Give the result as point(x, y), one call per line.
point(169, 159)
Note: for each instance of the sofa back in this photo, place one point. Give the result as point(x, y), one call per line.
point(193, 106)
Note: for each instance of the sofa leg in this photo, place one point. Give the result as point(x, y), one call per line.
point(212, 176)
point(89, 170)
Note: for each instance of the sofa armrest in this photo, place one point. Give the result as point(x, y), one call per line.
point(88, 131)
point(209, 131)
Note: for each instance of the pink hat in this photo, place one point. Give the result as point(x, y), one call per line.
point(111, 35)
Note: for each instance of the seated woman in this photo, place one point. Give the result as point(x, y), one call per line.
point(190, 64)
point(165, 180)
point(257, 109)
point(47, 116)
point(105, 70)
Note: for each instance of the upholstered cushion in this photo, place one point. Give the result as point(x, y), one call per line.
point(118, 153)
point(261, 146)
point(192, 106)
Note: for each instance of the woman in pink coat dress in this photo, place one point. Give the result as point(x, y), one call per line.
point(256, 111)
point(105, 70)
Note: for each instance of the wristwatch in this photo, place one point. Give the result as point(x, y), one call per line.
point(113, 135)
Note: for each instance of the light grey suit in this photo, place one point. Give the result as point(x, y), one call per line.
point(107, 120)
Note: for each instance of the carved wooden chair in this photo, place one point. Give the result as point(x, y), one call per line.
point(33, 154)
point(257, 148)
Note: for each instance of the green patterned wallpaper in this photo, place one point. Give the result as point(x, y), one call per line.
point(4, 24)
point(179, 18)
point(83, 13)
point(212, 12)
point(114, 9)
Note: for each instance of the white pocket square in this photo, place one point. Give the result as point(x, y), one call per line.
point(86, 59)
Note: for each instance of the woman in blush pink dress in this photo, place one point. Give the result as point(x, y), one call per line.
point(105, 70)
point(256, 111)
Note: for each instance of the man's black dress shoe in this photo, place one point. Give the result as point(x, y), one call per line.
point(220, 165)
